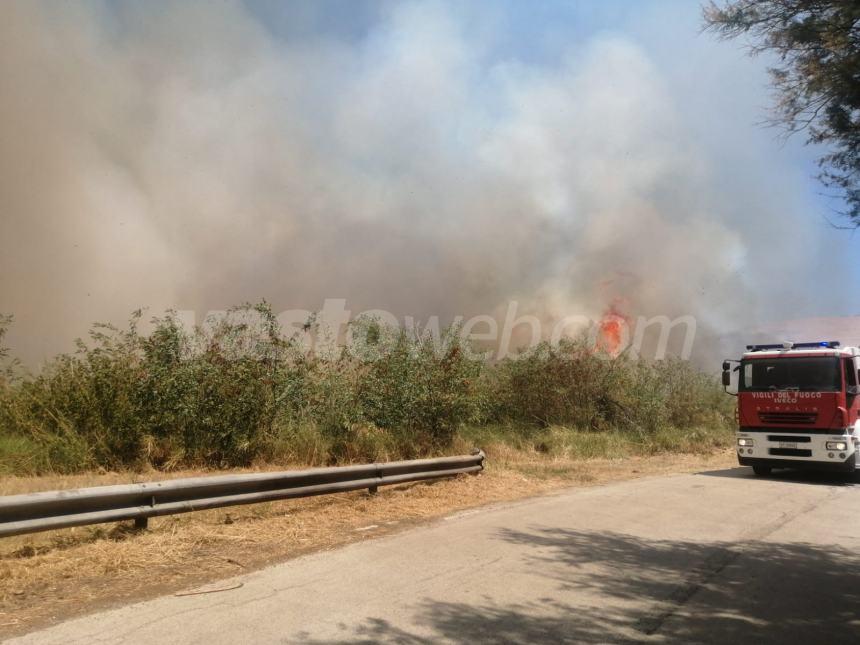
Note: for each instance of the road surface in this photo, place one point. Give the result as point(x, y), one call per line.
point(717, 557)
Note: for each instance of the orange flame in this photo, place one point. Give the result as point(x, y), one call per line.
point(613, 330)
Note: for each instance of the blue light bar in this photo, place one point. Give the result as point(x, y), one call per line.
point(829, 344)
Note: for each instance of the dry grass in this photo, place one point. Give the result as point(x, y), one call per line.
point(56, 575)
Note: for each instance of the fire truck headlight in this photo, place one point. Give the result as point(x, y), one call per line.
point(745, 442)
point(837, 445)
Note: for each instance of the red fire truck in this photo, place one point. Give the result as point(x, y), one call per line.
point(798, 406)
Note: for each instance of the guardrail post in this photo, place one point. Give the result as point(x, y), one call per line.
point(374, 488)
point(477, 452)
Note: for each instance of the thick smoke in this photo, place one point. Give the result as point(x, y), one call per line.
point(186, 156)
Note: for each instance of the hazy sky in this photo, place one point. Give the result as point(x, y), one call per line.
point(422, 157)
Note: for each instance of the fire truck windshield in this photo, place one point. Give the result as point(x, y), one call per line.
point(806, 374)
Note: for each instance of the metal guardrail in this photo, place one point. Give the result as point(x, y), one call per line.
point(35, 512)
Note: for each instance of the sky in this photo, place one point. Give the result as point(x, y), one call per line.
point(422, 157)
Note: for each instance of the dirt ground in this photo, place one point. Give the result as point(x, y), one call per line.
point(53, 576)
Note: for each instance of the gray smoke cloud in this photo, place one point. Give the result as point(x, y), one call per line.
point(186, 155)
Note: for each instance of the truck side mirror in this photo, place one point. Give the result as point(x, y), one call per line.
point(727, 378)
point(854, 390)
point(727, 366)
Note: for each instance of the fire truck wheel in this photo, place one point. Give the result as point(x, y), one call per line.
point(762, 471)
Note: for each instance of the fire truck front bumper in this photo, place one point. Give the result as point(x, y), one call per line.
point(847, 466)
point(781, 448)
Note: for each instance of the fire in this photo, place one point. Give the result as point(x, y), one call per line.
point(613, 330)
point(609, 335)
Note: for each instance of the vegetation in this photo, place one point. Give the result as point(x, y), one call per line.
point(238, 390)
point(817, 45)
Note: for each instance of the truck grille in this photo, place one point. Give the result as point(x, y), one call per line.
point(790, 452)
point(793, 418)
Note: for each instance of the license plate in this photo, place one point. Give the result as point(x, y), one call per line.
point(788, 444)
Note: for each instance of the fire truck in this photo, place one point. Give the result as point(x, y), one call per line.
point(798, 406)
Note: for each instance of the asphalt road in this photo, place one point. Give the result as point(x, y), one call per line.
point(718, 557)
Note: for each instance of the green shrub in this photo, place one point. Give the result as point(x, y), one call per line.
point(573, 386)
point(424, 391)
point(236, 390)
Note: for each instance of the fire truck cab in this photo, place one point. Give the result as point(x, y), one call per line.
point(798, 406)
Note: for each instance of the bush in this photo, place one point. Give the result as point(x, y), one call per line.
point(571, 385)
point(236, 390)
point(424, 391)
